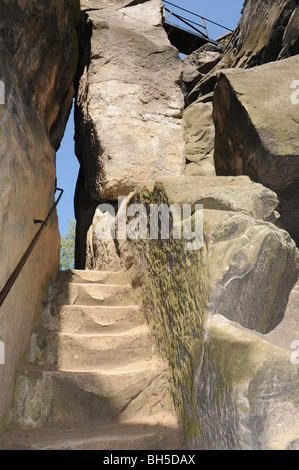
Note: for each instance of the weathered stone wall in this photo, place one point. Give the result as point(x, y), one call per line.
point(39, 54)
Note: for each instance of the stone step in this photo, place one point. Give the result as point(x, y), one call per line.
point(153, 436)
point(88, 276)
point(91, 319)
point(68, 293)
point(92, 380)
point(49, 397)
point(90, 351)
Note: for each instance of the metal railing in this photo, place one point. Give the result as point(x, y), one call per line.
point(5, 291)
point(189, 22)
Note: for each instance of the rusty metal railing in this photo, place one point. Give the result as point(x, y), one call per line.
point(13, 277)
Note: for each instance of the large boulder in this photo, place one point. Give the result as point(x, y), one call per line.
point(39, 54)
point(246, 395)
point(129, 126)
point(252, 269)
point(256, 124)
point(265, 33)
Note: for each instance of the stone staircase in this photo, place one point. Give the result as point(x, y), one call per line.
point(91, 380)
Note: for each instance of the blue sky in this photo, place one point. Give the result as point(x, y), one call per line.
point(224, 12)
point(67, 168)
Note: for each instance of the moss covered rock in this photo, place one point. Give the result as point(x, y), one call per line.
point(243, 272)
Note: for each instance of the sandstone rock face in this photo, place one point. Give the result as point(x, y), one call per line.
point(234, 194)
point(264, 33)
point(49, 94)
point(253, 382)
point(101, 254)
point(200, 136)
point(290, 42)
point(102, 4)
point(242, 255)
point(234, 384)
point(198, 114)
point(199, 78)
point(39, 54)
point(199, 63)
point(129, 113)
point(256, 131)
point(85, 207)
point(251, 44)
point(287, 331)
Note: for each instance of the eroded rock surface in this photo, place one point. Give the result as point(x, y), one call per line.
point(199, 63)
point(256, 122)
point(265, 33)
point(200, 136)
point(246, 393)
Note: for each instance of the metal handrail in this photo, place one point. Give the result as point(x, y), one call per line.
point(188, 23)
point(198, 16)
point(19, 267)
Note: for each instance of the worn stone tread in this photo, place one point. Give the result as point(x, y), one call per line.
point(108, 437)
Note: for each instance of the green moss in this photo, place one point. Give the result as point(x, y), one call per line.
point(175, 286)
point(4, 423)
point(192, 429)
point(6, 180)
